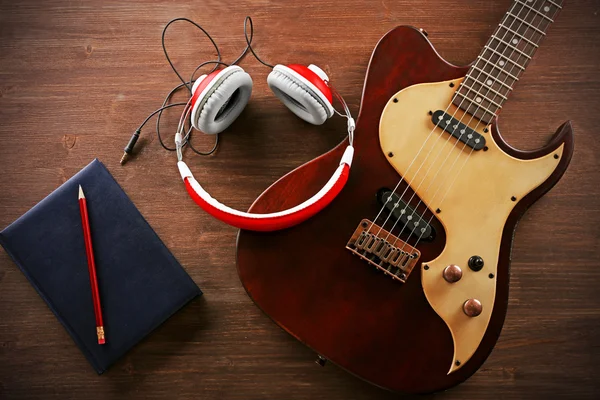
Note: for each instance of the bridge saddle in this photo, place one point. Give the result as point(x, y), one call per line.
point(385, 251)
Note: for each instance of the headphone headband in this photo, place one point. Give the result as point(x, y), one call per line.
point(272, 221)
point(218, 98)
point(214, 105)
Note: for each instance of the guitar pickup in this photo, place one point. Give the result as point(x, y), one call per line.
point(413, 221)
point(457, 129)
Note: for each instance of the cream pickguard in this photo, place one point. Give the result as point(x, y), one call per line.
point(475, 192)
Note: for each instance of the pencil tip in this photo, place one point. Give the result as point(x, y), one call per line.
point(81, 196)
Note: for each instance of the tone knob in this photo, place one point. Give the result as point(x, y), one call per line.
point(472, 307)
point(452, 273)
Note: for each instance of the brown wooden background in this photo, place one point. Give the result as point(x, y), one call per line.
point(77, 77)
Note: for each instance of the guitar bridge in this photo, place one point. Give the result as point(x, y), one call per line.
point(386, 252)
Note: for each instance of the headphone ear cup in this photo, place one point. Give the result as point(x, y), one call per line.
point(221, 100)
point(298, 96)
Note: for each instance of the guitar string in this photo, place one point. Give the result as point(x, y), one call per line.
point(478, 122)
point(402, 178)
point(425, 175)
point(527, 61)
point(555, 13)
point(389, 197)
point(433, 180)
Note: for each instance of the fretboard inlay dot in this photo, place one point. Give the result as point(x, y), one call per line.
point(504, 58)
point(492, 77)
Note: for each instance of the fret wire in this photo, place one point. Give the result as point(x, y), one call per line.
point(469, 89)
point(477, 104)
point(521, 53)
point(489, 87)
point(535, 11)
point(519, 35)
point(491, 76)
point(463, 84)
point(512, 47)
point(555, 4)
point(498, 68)
point(478, 108)
point(527, 23)
point(505, 57)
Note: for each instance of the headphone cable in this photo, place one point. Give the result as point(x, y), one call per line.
point(128, 150)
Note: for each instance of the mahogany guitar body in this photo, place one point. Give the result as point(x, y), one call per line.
point(304, 278)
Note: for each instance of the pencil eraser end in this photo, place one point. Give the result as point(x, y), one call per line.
point(100, 332)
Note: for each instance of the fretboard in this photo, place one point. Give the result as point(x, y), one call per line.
point(503, 59)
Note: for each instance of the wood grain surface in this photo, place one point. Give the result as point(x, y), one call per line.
point(77, 77)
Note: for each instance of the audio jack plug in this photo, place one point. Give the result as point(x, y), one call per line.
point(129, 148)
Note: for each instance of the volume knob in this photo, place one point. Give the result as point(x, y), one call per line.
point(452, 273)
point(472, 307)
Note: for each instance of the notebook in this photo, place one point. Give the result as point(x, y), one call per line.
point(141, 284)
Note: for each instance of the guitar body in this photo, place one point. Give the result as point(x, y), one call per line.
point(408, 337)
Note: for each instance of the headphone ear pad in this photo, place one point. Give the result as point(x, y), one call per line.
point(222, 100)
point(301, 99)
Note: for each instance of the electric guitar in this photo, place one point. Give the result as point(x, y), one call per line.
point(403, 279)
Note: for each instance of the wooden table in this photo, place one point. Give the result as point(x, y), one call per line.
point(76, 78)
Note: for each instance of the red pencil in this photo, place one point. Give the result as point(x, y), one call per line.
point(91, 266)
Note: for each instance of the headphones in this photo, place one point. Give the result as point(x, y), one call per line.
point(218, 99)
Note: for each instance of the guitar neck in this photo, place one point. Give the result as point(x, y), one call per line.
point(504, 58)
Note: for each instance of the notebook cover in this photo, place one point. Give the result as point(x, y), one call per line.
point(141, 284)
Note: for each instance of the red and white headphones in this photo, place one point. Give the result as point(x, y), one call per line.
point(218, 99)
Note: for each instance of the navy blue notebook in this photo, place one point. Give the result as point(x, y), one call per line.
point(141, 284)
